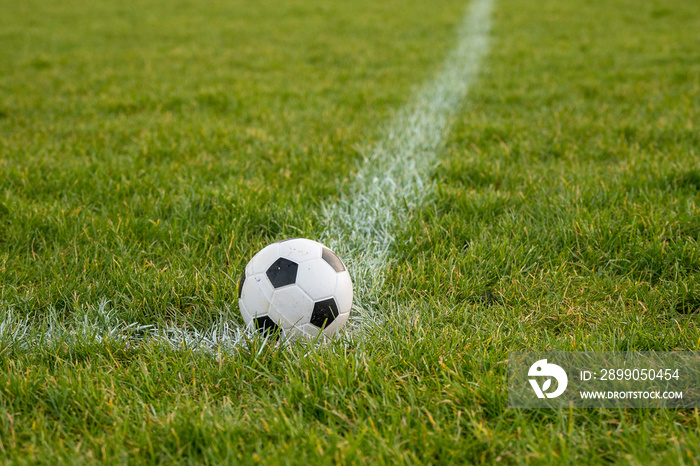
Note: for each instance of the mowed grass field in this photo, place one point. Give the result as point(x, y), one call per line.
point(149, 149)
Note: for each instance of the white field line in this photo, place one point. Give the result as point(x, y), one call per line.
point(99, 325)
point(360, 226)
point(392, 180)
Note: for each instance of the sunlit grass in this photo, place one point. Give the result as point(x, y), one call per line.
point(147, 151)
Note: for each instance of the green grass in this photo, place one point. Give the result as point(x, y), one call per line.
point(148, 150)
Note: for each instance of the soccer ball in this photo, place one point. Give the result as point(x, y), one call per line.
point(296, 287)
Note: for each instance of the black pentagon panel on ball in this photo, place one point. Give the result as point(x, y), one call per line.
point(240, 284)
point(333, 260)
point(282, 272)
point(324, 313)
point(266, 325)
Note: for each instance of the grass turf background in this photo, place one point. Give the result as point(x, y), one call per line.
point(148, 151)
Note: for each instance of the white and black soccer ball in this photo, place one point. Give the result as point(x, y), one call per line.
point(297, 287)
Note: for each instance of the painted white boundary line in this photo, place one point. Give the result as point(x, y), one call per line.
point(360, 225)
point(392, 180)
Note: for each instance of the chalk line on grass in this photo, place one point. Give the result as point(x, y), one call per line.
point(361, 225)
point(100, 325)
point(392, 180)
